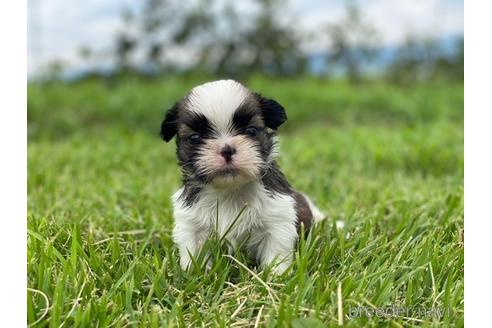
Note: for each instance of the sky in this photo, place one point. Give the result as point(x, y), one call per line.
point(57, 29)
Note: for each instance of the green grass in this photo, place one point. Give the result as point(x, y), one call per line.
point(386, 161)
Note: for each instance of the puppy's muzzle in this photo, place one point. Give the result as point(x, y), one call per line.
point(227, 152)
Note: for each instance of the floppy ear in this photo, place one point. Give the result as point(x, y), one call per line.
point(273, 113)
point(169, 125)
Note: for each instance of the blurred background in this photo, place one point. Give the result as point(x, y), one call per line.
point(374, 86)
point(400, 40)
point(104, 63)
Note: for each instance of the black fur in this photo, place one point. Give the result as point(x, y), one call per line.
point(190, 192)
point(198, 123)
point(266, 144)
point(274, 180)
point(273, 113)
point(169, 127)
point(250, 114)
point(303, 211)
point(244, 115)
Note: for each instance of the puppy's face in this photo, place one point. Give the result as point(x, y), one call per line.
point(224, 133)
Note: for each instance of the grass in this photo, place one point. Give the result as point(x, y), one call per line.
point(384, 160)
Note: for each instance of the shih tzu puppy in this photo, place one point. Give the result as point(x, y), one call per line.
point(226, 149)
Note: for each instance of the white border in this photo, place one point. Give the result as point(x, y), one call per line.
point(478, 162)
point(13, 176)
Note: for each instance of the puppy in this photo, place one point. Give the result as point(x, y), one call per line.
point(226, 149)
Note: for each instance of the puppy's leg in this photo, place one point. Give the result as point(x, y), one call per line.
point(277, 247)
point(188, 243)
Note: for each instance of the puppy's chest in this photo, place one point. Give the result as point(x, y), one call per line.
point(231, 214)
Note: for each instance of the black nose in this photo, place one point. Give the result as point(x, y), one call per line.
point(227, 152)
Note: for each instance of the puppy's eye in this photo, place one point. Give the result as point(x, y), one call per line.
point(194, 138)
point(251, 131)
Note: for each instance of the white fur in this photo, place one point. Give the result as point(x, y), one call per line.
point(270, 222)
point(217, 101)
point(317, 214)
point(247, 158)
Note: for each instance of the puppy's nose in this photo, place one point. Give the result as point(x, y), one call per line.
point(227, 152)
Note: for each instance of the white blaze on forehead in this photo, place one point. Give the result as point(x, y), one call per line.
point(217, 101)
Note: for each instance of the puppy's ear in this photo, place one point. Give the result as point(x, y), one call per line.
point(169, 126)
point(273, 113)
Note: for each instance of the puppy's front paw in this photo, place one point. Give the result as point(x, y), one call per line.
point(185, 261)
point(280, 267)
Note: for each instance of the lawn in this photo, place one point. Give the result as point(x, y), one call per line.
point(384, 162)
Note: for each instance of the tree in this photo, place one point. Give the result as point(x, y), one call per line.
point(220, 39)
point(353, 42)
point(275, 46)
point(418, 60)
point(125, 44)
point(244, 43)
point(54, 70)
point(167, 24)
